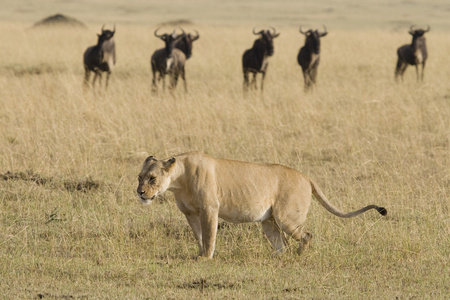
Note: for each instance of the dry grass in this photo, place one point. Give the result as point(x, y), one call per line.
point(362, 137)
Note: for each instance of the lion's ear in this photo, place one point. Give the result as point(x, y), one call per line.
point(169, 163)
point(149, 159)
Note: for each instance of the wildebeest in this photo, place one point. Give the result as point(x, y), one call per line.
point(168, 60)
point(185, 43)
point(101, 57)
point(309, 55)
point(256, 59)
point(412, 54)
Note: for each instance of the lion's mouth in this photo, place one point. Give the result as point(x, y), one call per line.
point(145, 200)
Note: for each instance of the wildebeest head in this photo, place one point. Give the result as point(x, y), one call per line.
point(185, 43)
point(106, 34)
point(416, 33)
point(313, 39)
point(267, 39)
point(169, 39)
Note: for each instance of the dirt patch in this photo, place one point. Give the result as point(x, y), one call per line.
point(59, 296)
point(59, 20)
point(22, 70)
point(82, 185)
point(25, 176)
point(203, 284)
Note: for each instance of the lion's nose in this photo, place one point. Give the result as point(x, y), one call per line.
point(141, 192)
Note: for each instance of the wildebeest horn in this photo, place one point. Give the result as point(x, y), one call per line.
point(156, 34)
point(274, 34)
point(411, 29)
point(182, 30)
point(301, 31)
point(197, 36)
point(103, 27)
point(428, 28)
point(256, 33)
point(114, 30)
point(324, 33)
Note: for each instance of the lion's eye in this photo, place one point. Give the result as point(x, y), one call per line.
point(151, 179)
point(139, 178)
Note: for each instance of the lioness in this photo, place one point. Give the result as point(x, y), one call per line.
point(208, 188)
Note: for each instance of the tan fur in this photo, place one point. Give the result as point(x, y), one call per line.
point(208, 188)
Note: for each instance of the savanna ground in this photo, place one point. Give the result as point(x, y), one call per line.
point(71, 226)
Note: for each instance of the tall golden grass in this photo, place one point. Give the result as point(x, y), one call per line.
point(362, 137)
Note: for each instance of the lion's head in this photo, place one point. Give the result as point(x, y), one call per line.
point(154, 178)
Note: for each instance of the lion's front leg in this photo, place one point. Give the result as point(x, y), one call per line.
point(194, 222)
point(209, 218)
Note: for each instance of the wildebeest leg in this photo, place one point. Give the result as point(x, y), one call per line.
point(246, 83)
point(182, 73)
point(400, 69)
point(107, 79)
point(397, 69)
point(262, 80)
point(162, 77)
point(423, 67)
point(87, 74)
point(100, 79)
point(173, 81)
point(95, 79)
point(253, 85)
point(314, 75)
point(306, 77)
point(417, 73)
point(154, 88)
point(154, 71)
point(314, 70)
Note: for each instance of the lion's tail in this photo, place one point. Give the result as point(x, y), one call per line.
point(318, 194)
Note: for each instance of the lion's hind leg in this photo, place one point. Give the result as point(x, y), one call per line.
point(290, 212)
point(304, 238)
point(305, 242)
point(274, 234)
point(292, 224)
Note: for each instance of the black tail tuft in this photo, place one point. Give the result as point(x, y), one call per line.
point(382, 211)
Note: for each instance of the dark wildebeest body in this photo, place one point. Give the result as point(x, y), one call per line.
point(169, 61)
point(101, 57)
point(309, 56)
point(256, 59)
point(414, 54)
